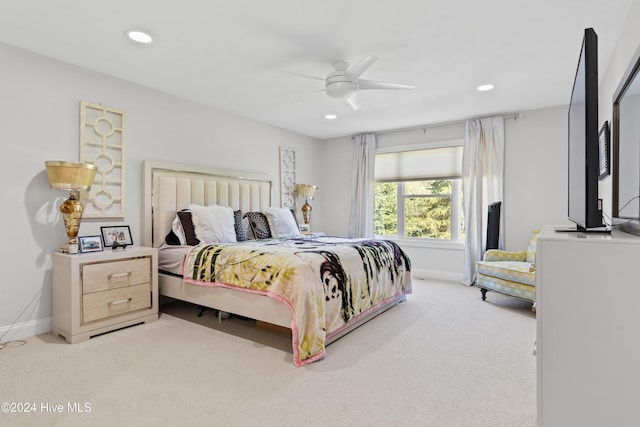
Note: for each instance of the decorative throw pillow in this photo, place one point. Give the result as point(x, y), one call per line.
point(182, 231)
point(213, 223)
point(281, 222)
point(247, 226)
point(172, 238)
point(241, 231)
point(259, 225)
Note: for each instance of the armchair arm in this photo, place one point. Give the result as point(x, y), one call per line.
point(499, 255)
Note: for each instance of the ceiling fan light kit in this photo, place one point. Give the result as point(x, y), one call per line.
point(341, 90)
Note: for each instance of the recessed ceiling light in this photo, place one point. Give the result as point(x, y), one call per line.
point(330, 117)
point(484, 88)
point(139, 36)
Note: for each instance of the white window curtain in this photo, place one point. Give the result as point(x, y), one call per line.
point(482, 184)
point(362, 195)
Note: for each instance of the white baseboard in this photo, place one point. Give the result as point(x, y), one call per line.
point(24, 330)
point(436, 274)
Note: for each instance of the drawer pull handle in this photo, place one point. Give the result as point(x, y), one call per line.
point(119, 276)
point(122, 301)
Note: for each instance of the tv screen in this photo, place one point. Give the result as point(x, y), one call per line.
point(585, 208)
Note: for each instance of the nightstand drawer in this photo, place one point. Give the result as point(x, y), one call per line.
point(100, 305)
point(116, 274)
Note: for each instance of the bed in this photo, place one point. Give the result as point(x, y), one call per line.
point(288, 282)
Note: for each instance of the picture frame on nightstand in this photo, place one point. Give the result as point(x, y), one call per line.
point(116, 236)
point(89, 244)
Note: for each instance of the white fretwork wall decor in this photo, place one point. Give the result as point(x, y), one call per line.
point(102, 142)
point(287, 177)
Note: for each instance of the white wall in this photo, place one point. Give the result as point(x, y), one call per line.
point(535, 183)
point(535, 175)
point(39, 116)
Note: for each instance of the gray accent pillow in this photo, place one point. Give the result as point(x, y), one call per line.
point(241, 231)
point(259, 225)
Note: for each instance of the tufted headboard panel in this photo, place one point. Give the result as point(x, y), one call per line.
point(169, 188)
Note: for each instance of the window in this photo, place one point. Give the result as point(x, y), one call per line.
point(418, 193)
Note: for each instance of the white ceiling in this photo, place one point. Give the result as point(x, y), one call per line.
point(231, 54)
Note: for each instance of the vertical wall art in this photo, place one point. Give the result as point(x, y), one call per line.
point(287, 177)
point(102, 142)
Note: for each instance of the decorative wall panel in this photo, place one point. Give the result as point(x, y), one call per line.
point(102, 142)
point(287, 177)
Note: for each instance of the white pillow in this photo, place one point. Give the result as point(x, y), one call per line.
point(281, 222)
point(213, 223)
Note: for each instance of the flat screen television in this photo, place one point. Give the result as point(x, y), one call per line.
point(585, 207)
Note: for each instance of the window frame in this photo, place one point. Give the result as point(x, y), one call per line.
point(455, 240)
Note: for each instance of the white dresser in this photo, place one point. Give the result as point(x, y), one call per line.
point(588, 329)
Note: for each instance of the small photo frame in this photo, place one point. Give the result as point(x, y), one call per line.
point(116, 236)
point(89, 244)
point(604, 147)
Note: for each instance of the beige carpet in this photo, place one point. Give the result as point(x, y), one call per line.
point(442, 358)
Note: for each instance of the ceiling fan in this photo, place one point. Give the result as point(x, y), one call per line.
point(345, 82)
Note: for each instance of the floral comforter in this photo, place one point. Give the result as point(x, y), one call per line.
point(326, 282)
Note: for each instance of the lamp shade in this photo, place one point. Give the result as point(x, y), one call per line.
point(70, 176)
point(305, 190)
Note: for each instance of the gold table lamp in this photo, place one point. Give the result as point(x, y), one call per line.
point(307, 192)
point(74, 177)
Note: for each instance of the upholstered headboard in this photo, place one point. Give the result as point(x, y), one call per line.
point(170, 187)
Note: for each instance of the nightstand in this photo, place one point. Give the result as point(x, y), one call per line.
point(98, 292)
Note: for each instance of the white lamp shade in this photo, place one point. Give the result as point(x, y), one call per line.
point(305, 190)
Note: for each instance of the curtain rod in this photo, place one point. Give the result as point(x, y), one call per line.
point(443, 124)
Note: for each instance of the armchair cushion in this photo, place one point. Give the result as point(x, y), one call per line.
point(514, 271)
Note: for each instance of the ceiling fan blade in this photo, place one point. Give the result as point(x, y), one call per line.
point(370, 84)
point(300, 97)
point(357, 69)
point(306, 76)
point(353, 102)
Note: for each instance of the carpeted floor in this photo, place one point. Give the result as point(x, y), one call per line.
point(442, 358)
